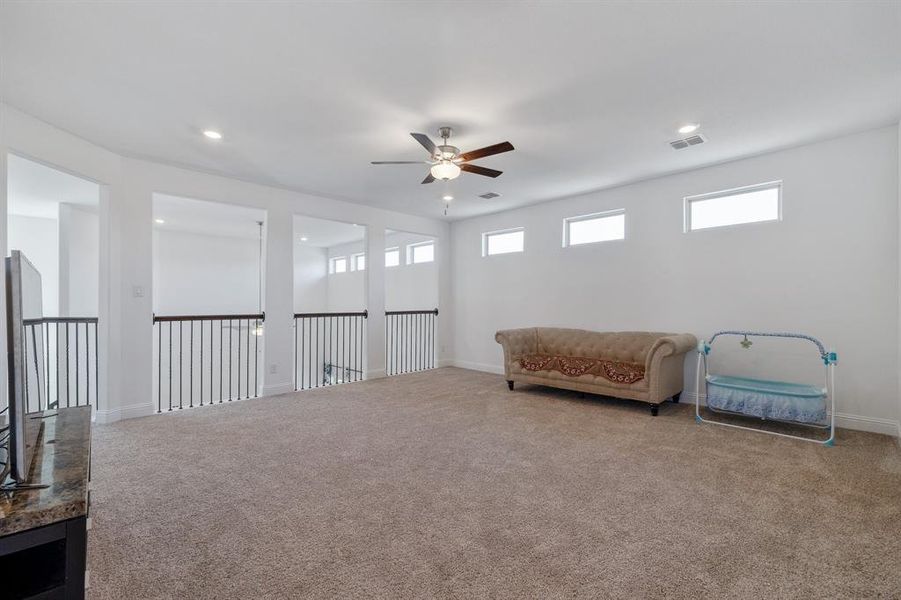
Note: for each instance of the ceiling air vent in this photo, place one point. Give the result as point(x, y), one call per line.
point(693, 140)
point(489, 195)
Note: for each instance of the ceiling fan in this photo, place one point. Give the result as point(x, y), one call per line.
point(447, 161)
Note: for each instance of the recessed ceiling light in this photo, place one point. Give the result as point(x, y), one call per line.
point(447, 198)
point(689, 128)
point(213, 135)
point(159, 221)
point(303, 239)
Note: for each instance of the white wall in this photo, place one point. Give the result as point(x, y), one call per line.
point(310, 279)
point(126, 283)
point(829, 269)
point(407, 286)
point(199, 274)
point(79, 261)
point(38, 239)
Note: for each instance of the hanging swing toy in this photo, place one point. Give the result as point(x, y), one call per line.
point(792, 403)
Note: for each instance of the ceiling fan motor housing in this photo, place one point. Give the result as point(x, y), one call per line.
point(446, 152)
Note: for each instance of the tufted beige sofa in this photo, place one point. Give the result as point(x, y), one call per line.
point(635, 365)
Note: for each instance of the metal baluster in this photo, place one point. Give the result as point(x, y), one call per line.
point(56, 355)
point(191, 367)
point(67, 365)
point(256, 358)
point(230, 329)
point(77, 368)
point(45, 334)
point(170, 366)
point(87, 365)
point(221, 346)
point(316, 364)
point(201, 363)
point(96, 367)
point(159, 367)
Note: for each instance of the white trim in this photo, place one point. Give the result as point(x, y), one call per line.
point(132, 411)
point(844, 420)
point(474, 366)
point(487, 234)
point(687, 201)
point(606, 214)
point(411, 249)
point(276, 389)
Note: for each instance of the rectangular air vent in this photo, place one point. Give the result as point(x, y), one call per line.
point(489, 195)
point(693, 140)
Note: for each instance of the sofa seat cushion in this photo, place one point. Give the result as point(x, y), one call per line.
point(576, 366)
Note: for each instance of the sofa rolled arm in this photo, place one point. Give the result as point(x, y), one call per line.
point(516, 343)
point(679, 343)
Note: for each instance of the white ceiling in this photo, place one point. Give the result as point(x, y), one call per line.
point(35, 190)
point(209, 218)
point(306, 94)
point(323, 233)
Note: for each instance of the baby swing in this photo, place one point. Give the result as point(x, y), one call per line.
point(793, 403)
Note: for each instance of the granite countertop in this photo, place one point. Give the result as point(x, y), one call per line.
point(62, 461)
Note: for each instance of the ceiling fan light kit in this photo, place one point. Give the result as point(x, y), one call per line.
point(447, 162)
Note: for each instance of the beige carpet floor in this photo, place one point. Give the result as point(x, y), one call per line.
point(443, 484)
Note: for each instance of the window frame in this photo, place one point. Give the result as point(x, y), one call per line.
point(591, 217)
point(333, 265)
point(393, 249)
point(354, 264)
point(411, 248)
point(687, 201)
point(487, 234)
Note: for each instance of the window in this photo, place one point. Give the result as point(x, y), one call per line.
point(599, 227)
point(420, 253)
point(392, 257)
point(752, 204)
point(339, 264)
point(358, 262)
point(503, 242)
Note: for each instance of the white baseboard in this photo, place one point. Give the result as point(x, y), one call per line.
point(445, 362)
point(277, 389)
point(375, 374)
point(474, 366)
point(131, 411)
point(844, 420)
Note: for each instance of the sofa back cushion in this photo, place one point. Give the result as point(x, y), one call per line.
point(623, 346)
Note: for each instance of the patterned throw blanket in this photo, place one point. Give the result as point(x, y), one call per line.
point(573, 366)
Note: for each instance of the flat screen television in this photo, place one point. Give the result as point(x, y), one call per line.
point(25, 359)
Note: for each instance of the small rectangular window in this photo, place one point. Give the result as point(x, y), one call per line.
point(392, 257)
point(422, 252)
point(503, 242)
point(599, 227)
point(358, 262)
point(752, 204)
point(339, 264)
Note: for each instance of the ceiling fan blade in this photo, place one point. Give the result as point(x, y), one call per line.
point(428, 179)
point(480, 170)
point(487, 151)
point(427, 143)
point(399, 162)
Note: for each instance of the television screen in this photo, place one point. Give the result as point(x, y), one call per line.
point(25, 351)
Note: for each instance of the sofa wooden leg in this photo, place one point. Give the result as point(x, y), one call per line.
point(655, 408)
point(676, 398)
point(510, 385)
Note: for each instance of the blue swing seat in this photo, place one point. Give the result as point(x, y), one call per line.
point(773, 400)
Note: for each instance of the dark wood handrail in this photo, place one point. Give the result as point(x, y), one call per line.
point(245, 317)
point(364, 314)
point(60, 320)
point(434, 311)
